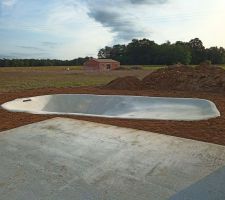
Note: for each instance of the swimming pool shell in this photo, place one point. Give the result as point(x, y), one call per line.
point(117, 106)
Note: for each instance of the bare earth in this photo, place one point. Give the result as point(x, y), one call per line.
point(212, 130)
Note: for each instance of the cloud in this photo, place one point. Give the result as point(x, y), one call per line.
point(69, 26)
point(50, 44)
point(8, 3)
point(120, 21)
point(3, 56)
point(148, 1)
point(31, 48)
point(124, 28)
point(28, 55)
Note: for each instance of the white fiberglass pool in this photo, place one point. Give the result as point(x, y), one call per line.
point(115, 106)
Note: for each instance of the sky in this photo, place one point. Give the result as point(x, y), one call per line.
point(67, 29)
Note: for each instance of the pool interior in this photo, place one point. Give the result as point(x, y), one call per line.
point(117, 106)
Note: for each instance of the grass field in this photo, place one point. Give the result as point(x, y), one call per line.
point(23, 78)
point(223, 66)
point(152, 67)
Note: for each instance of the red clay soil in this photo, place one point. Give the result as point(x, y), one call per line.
point(201, 78)
point(212, 130)
point(183, 78)
point(124, 83)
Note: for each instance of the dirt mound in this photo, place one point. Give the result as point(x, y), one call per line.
point(179, 77)
point(125, 83)
point(201, 78)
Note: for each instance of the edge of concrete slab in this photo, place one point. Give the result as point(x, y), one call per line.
point(107, 125)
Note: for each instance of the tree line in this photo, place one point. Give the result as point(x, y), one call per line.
point(147, 52)
point(139, 52)
point(41, 62)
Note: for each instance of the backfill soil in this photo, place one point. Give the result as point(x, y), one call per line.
point(182, 78)
point(212, 130)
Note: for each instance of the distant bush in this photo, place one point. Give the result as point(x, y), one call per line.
point(121, 68)
point(136, 67)
point(206, 63)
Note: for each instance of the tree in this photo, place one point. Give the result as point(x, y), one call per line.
point(197, 50)
point(139, 52)
point(105, 52)
point(216, 55)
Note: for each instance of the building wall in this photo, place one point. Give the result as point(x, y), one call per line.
point(108, 66)
point(93, 65)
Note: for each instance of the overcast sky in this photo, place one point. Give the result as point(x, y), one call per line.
point(66, 29)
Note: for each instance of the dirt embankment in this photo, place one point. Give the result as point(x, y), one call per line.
point(125, 83)
point(182, 78)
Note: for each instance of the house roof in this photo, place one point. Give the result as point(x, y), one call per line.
point(105, 60)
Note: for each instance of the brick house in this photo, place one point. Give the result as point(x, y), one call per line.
point(101, 64)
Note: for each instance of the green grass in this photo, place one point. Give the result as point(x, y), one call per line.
point(152, 67)
point(143, 67)
point(47, 68)
point(22, 78)
point(223, 66)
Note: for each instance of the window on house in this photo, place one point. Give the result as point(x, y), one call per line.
point(108, 66)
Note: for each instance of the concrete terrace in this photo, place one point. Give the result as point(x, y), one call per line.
point(72, 159)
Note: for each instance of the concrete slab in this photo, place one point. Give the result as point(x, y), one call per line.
point(211, 187)
point(71, 159)
point(117, 106)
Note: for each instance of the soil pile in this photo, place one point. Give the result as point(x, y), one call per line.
point(124, 83)
point(184, 78)
point(201, 78)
